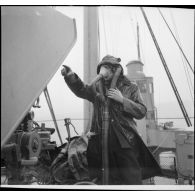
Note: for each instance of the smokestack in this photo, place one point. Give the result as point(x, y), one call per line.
point(135, 70)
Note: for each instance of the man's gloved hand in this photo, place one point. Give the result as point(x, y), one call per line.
point(115, 94)
point(66, 71)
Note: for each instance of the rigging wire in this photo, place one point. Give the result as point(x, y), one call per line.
point(51, 120)
point(185, 114)
point(176, 41)
point(80, 119)
point(185, 68)
point(47, 97)
point(98, 33)
point(142, 52)
point(136, 21)
point(178, 118)
point(142, 58)
point(114, 32)
point(135, 34)
point(138, 43)
point(103, 18)
point(118, 30)
point(112, 42)
point(132, 27)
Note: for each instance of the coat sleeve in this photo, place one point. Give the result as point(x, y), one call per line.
point(79, 88)
point(134, 105)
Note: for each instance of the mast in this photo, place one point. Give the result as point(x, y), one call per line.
point(185, 114)
point(91, 55)
point(138, 46)
point(91, 59)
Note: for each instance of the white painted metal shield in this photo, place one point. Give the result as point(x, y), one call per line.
point(35, 41)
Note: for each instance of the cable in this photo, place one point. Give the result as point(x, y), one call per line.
point(48, 120)
point(175, 118)
point(135, 36)
point(176, 41)
point(81, 119)
point(106, 45)
point(142, 53)
point(185, 68)
point(98, 33)
point(111, 42)
point(118, 33)
point(185, 114)
point(133, 29)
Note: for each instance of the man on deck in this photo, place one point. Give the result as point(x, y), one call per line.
point(130, 161)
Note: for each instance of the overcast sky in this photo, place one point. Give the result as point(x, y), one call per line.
point(118, 38)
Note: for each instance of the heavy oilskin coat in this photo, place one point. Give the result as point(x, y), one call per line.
point(121, 117)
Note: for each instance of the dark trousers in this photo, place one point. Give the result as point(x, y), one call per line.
point(124, 168)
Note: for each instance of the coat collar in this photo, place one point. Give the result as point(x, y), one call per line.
point(122, 81)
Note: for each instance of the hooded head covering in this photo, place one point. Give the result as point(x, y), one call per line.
point(109, 60)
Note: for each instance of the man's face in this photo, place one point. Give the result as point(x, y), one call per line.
point(106, 72)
